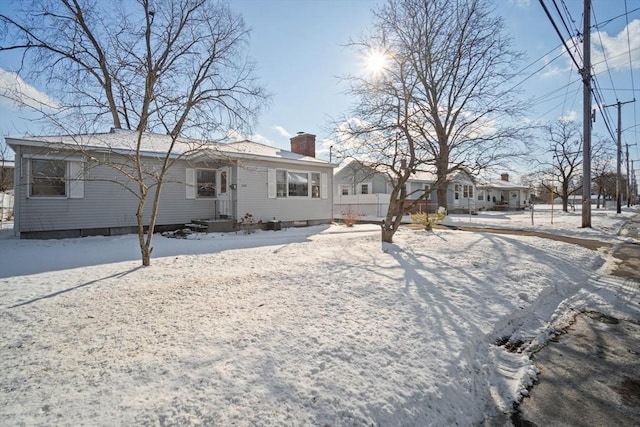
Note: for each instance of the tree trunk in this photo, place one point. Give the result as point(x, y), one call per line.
point(146, 255)
point(441, 194)
point(387, 235)
point(144, 247)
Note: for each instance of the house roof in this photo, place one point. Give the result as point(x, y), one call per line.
point(156, 145)
point(253, 149)
point(419, 175)
point(502, 185)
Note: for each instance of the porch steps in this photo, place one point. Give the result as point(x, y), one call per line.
point(211, 225)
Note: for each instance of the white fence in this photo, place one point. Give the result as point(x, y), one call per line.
point(6, 206)
point(362, 204)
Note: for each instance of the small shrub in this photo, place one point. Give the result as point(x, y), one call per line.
point(246, 223)
point(350, 217)
point(427, 220)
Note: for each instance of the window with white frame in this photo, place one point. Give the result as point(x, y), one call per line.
point(281, 183)
point(298, 184)
point(284, 183)
point(206, 182)
point(456, 191)
point(427, 191)
point(55, 178)
point(364, 188)
point(315, 185)
point(344, 189)
point(480, 195)
point(467, 191)
point(48, 178)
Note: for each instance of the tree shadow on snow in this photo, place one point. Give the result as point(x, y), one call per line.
point(73, 288)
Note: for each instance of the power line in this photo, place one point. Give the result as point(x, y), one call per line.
point(546, 11)
point(626, 14)
point(604, 52)
point(635, 111)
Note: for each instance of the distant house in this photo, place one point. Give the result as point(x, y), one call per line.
point(503, 195)
point(6, 175)
point(366, 190)
point(6, 189)
point(64, 187)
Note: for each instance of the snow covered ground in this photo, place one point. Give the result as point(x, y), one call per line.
point(310, 326)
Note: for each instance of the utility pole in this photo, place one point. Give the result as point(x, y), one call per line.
point(633, 189)
point(619, 156)
point(629, 187)
point(634, 184)
point(586, 116)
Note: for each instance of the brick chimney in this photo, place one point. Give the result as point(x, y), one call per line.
point(504, 177)
point(304, 143)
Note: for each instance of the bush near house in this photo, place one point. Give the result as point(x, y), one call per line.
point(427, 220)
point(350, 217)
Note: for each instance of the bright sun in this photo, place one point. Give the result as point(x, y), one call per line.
point(376, 62)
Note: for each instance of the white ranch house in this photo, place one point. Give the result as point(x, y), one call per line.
point(65, 186)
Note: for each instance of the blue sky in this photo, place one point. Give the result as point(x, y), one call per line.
point(299, 49)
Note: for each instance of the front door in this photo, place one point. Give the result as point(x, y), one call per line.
point(224, 195)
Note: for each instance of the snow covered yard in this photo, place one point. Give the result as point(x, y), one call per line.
point(314, 326)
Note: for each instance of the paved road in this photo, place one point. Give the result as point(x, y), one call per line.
point(590, 376)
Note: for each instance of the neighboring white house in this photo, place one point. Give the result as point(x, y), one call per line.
point(365, 190)
point(503, 195)
point(6, 189)
point(65, 186)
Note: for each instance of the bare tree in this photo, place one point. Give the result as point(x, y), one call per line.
point(6, 174)
point(602, 169)
point(171, 67)
point(440, 101)
point(564, 145)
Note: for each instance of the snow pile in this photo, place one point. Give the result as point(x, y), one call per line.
point(313, 326)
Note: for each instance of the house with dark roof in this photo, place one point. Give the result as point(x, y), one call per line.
point(81, 185)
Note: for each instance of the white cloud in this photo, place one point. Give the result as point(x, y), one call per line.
point(256, 137)
point(617, 52)
point(617, 49)
point(570, 116)
point(16, 93)
point(521, 3)
point(283, 131)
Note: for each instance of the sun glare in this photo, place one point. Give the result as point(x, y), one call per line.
point(376, 62)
